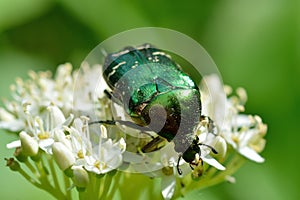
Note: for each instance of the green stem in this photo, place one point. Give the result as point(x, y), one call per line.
point(82, 195)
point(54, 175)
point(40, 166)
point(99, 185)
point(31, 168)
point(91, 192)
point(67, 186)
point(106, 186)
point(113, 188)
point(234, 164)
point(54, 192)
point(94, 193)
point(46, 185)
point(28, 178)
point(232, 167)
point(43, 185)
point(212, 170)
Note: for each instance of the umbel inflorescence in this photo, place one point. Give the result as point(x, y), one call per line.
point(59, 151)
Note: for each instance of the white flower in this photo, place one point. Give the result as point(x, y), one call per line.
point(243, 132)
point(30, 147)
point(35, 95)
point(247, 136)
point(10, 122)
point(106, 156)
point(168, 185)
point(164, 168)
point(43, 129)
point(81, 177)
point(208, 140)
point(80, 138)
point(89, 97)
point(40, 106)
point(62, 155)
point(98, 157)
point(169, 172)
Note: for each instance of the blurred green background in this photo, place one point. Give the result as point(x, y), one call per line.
point(255, 44)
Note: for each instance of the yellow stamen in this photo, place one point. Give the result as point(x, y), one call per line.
point(43, 135)
point(80, 154)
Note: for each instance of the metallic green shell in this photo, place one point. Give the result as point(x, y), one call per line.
point(153, 90)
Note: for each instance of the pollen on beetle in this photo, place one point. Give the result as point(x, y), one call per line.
point(186, 93)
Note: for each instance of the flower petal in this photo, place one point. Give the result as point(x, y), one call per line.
point(13, 126)
point(46, 145)
point(63, 156)
point(251, 154)
point(168, 184)
point(213, 162)
point(214, 98)
point(56, 116)
point(13, 144)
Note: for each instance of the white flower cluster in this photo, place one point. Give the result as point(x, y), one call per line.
point(245, 133)
point(42, 112)
point(33, 97)
point(43, 108)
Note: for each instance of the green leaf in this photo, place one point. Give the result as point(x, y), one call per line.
point(107, 17)
point(16, 12)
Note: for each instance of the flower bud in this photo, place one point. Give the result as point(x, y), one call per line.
point(12, 164)
point(62, 155)
point(220, 146)
point(29, 145)
point(80, 177)
point(59, 136)
point(19, 155)
point(56, 116)
point(6, 116)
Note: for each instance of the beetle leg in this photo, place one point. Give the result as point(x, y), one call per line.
point(133, 125)
point(178, 169)
point(108, 122)
point(108, 94)
point(148, 134)
point(196, 163)
point(125, 123)
point(153, 145)
point(191, 166)
point(199, 153)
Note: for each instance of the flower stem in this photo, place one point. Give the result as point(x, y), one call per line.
point(54, 175)
point(91, 192)
point(100, 186)
point(114, 185)
point(67, 186)
point(213, 178)
point(232, 167)
point(31, 168)
point(45, 184)
point(28, 178)
point(106, 186)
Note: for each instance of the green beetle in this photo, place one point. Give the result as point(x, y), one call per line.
point(157, 95)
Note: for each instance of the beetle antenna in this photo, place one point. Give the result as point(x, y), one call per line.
point(212, 149)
